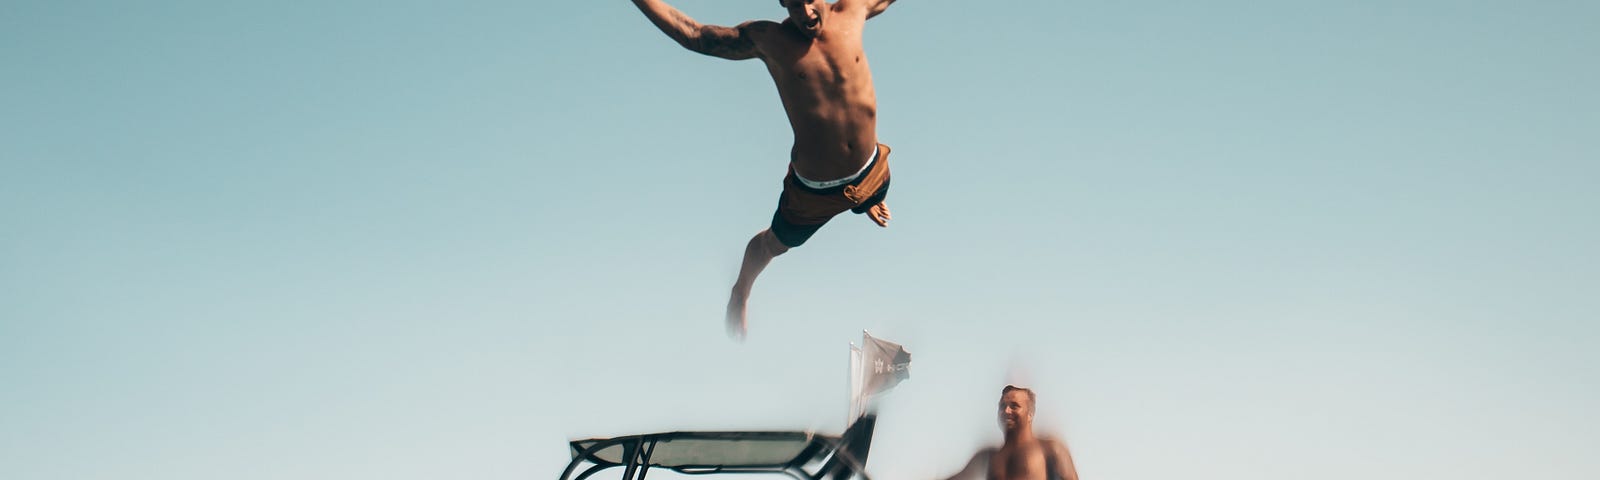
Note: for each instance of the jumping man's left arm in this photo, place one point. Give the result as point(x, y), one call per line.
point(874, 7)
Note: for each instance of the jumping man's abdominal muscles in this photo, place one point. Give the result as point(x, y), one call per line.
point(827, 93)
point(833, 141)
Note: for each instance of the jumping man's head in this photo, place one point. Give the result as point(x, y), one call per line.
point(806, 15)
point(1016, 409)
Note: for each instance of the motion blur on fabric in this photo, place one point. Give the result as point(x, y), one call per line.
point(877, 365)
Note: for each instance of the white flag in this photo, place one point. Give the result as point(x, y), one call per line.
point(876, 366)
point(856, 379)
point(885, 364)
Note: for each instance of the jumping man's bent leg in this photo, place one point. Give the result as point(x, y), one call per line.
point(757, 254)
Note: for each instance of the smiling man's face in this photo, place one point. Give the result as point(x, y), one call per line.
point(1016, 410)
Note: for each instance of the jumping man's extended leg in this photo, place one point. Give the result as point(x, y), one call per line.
point(757, 254)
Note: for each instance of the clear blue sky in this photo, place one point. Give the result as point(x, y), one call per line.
point(420, 240)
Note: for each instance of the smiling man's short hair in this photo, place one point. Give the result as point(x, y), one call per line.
point(1029, 392)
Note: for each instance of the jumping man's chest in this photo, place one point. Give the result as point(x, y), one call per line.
point(825, 67)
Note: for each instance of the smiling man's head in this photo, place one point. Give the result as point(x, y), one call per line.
point(1016, 409)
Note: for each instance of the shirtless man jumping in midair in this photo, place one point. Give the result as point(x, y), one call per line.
point(1023, 456)
point(836, 163)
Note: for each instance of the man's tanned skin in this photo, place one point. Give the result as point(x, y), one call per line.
point(817, 62)
point(1023, 456)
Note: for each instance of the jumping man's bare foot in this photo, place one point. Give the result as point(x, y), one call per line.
point(879, 214)
point(736, 314)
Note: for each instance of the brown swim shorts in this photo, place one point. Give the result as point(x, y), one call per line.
point(803, 210)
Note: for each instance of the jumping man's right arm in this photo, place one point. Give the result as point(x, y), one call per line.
point(732, 43)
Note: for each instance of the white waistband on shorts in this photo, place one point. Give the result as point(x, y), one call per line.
point(834, 183)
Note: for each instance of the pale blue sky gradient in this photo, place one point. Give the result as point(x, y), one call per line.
point(412, 240)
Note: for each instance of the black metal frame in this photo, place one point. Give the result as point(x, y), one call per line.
point(842, 458)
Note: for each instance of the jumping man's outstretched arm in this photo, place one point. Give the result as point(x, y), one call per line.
point(732, 43)
point(874, 7)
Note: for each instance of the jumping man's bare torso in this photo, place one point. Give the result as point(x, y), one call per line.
point(826, 88)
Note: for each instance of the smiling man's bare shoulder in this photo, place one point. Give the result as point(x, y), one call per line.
point(1024, 456)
